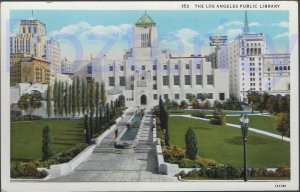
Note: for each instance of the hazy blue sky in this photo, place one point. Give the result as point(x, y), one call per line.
point(82, 33)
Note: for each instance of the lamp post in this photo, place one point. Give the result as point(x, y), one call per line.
point(244, 120)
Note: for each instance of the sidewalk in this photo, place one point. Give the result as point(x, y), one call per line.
point(108, 164)
point(238, 126)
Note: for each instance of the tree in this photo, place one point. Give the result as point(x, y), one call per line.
point(83, 97)
point(191, 142)
point(70, 100)
point(55, 91)
point(282, 123)
point(78, 94)
point(253, 99)
point(66, 99)
point(47, 145)
point(61, 98)
point(30, 102)
point(100, 118)
point(183, 104)
point(86, 130)
point(92, 97)
point(49, 101)
point(74, 98)
point(102, 94)
point(107, 114)
point(97, 99)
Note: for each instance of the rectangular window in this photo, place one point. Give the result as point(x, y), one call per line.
point(111, 68)
point(154, 78)
point(165, 80)
point(198, 66)
point(111, 81)
point(121, 68)
point(154, 67)
point(154, 87)
point(132, 68)
point(176, 67)
point(176, 80)
point(210, 79)
point(166, 96)
point(176, 96)
point(89, 69)
point(187, 66)
point(222, 96)
point(154, 96)
point(199, 95)
point(198, 79)
point(143, 67)
point(187, 79)
point(209, 95)
point(165, 67)
point(122, 81)
point(188, 95)
point(131, 87)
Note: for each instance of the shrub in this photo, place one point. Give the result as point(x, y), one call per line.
point(218, 118)
point(198, 114)
point(26, 170)
point(187, 163)
point(191, 142)
point(207, 163)
point(283, 171)
point(173, 154)
point(222, 172)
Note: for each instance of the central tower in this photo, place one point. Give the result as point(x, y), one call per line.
point(145, 38)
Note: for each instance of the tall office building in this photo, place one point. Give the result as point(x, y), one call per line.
point(251, 67)
point(33, 41)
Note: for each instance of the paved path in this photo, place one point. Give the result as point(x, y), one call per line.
point(107, 164)
point(238, 126)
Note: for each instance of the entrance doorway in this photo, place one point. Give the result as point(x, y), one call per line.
point(143, 100)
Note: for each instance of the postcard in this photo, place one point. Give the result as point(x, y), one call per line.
point(149, 96)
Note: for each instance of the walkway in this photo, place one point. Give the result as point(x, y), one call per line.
point(238, 126)
point(107, 164)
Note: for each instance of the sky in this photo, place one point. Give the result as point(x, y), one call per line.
point(98, 32)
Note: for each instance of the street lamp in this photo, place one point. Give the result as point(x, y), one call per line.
point(244, 120)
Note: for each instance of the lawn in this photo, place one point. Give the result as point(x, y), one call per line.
point(26, 137)
point(225, 145)
point(265, 123)
point(206, 112)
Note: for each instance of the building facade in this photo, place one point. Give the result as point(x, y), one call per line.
point(146, 72)
point(251, 68)
point(32, 40)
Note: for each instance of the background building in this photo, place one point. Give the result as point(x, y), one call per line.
point(147, 72)
point(250, 66)
point(33, 41)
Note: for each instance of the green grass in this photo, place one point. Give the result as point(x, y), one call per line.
point(225, 144)
point(265, 123)
point(26, 137)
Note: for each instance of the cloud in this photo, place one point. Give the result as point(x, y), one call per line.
point(233, 33)
point(281, 35)
point(283, 24)
point(84, 39)
point(185, 41)
point(85, 30)
point(252, 24)
point(229, 24)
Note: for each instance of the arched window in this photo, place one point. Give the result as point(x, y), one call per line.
point(276, 68)
point(280, 68)
point(255, 51)
point(259, 51)
point(284, 68)
point(251, 51)
point(247, 51)
point(288, 67)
